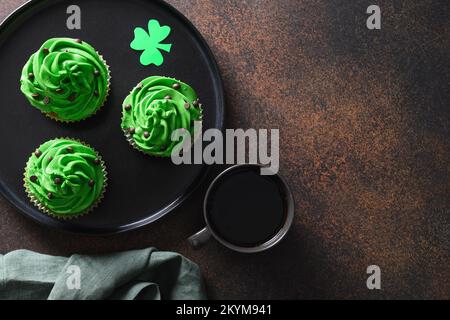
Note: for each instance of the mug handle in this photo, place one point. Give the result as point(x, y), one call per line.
point(200, 238)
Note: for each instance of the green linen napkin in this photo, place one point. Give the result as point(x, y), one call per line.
point(140, 274)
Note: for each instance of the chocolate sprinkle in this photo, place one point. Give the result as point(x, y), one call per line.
point(46, 100)
point(69, 149)
point(168, 97)
point(91, 183)
point(46, 51)
point(35, 95)
point(187, 105)
point(72, 97)
point(50, 195)
point(33, 178)
point(176, 86)
point(132, 130)
point(97, 161)
point(128, 107)
point(146, 134)
point(38, 153)
point(59, 90)
point(78, 41)
point(96, 73)
point(31, 76)
point(50, 158)
point(58, 181)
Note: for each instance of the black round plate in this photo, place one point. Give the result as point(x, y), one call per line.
point(141, 188)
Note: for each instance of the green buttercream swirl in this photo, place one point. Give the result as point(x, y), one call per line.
point(77, 167)
point(156, 108)
point(66, 79)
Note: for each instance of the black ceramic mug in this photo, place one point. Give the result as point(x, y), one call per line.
point(246, 211)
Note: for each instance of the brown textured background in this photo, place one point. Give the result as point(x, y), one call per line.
point(365, 122)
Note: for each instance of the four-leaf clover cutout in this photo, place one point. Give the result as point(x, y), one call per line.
point(150, 43)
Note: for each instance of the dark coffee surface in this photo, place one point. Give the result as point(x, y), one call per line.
point(245, 208)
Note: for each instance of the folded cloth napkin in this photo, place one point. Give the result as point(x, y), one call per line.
point(140, 274)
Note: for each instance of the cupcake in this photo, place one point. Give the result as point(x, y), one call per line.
point(66, 79)
point(65, 178)
point(154, 109)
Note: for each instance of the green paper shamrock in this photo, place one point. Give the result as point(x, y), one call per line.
point(151, 43)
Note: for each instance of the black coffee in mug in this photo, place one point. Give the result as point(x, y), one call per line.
point(246, 208)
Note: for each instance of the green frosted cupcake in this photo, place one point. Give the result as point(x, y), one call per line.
point(154, 109)
point(65, 178)
point(66, 79)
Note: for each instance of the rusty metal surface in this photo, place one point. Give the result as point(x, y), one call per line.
point(365, 125)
